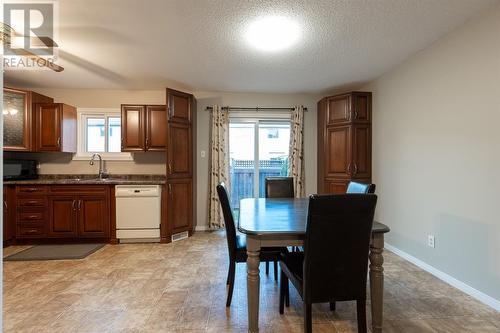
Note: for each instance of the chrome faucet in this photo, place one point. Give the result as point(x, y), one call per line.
point(102, 174)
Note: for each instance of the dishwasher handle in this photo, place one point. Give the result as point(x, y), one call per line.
point(137, 191)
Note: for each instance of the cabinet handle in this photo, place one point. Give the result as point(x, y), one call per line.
point(59, 142)
point(147, 143)
point(30, 189)
point(355, 114)
point(79, 204)
point(31, 231)
point(73, 205)
point(169, 112)
point(170, 189)
point(32, 217)
point(349, 168)
point(169, 168)
point(5, 204)
point(355, 168)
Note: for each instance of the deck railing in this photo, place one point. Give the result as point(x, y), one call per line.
point(242, 177)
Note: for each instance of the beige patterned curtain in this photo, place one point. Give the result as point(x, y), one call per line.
point(296, 157)
point(219, 164)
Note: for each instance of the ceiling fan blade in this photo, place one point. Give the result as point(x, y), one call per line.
point(7, 32)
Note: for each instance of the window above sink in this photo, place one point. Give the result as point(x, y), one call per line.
point(99, 131)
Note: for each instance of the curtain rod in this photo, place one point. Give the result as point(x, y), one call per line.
point(234, 108)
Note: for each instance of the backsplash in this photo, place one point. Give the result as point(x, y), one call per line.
point(60, 163)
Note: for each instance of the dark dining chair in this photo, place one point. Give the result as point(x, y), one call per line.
point(279, 187)
point(237, 244)
point(355, 187)
point(334, 264)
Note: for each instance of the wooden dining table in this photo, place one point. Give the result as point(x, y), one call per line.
point(282, 222)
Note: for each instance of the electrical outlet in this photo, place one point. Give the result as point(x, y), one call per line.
point(431, 241)
point(202, 153)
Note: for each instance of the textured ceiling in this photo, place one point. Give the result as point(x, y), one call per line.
point(149, 44)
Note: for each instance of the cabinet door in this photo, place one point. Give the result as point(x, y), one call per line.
point(179, 152)
point(338, 110)
point(48, 127)
point(8, 214)
point(179, 106)
point(338, 151)
point(361, 151)
point(156, 127)
point(16, 120)
point(93, 216)
point(362, 107)
point(133, 123)
point(62, 216)
point(179, 205)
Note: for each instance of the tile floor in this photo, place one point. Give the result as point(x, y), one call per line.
point(181, 287)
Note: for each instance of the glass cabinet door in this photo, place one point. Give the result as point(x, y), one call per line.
point(16, 130)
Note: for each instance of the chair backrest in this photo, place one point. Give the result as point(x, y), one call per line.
point(228, 219)
point(279, 187)
point(336, 246)
point(355, 187)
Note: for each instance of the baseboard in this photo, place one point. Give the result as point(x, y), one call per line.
point(480, 296)
point(201, 228)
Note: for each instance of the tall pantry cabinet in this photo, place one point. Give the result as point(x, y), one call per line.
point(181, 159)
point(344, 141)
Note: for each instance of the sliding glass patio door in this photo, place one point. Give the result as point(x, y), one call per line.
point(257, 149)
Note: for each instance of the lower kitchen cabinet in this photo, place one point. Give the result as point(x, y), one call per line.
point(62, 212)
point(93, 216)
point(8, 226)
point(62, 216)
point(179, 207)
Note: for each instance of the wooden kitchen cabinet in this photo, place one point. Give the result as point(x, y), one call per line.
point(179, 106)
point(19, 118)
point(344, 141)
point(62, 216)
point(55, 128)
point(179, 202)
point(144, 128)
point(156, 128)
point(63, 212)
point(180, 151)
point(8, 218)
point(179, 205)
point(93, 216)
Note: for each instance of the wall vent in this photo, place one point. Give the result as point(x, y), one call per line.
point(180, 236)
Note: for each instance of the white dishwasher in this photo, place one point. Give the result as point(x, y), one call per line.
point(138, 213)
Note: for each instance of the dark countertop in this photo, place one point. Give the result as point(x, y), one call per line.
point(92, 179)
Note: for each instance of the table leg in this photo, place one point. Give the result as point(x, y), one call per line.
point(253, 283)
point(377, 281)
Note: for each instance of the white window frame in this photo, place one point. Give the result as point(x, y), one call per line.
point(255, 118)
point(82, 115)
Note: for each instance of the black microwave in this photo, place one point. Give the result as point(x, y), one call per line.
point(19, 169)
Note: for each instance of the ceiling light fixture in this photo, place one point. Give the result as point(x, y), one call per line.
point(272, 33)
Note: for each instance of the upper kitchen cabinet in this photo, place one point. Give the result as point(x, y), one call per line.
point(55, 128)
point(133, 138)
point(179, 106)
point(354, 107)
point(156, 127)
point(144, 128)
point(19, 118)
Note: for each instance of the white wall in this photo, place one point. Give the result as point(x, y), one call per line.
point(251, 100)
point(436, 153)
